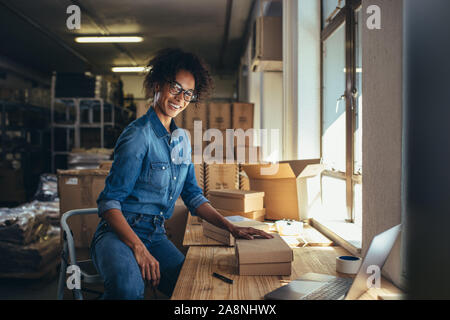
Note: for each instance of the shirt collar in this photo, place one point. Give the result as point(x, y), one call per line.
point(157, 126)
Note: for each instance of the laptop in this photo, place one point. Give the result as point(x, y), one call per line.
point(314, 286)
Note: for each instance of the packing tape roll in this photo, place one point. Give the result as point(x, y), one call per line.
point(348, 264)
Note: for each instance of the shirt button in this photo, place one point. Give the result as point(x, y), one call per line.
point(164, 168)
point(161, 213)
point(174, 178)
point(170, 198)
point(173, 159)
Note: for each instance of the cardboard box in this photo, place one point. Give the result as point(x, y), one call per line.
point(268, 53)
point(257, 215)
point(247, 154)
point(236, 200)
point(219, 116)
point(179, 120)
point(79, 189)
point(221, 176)
point(242, 115)
point(176, 225)
point(200, 174)
point(212, 150)
point(264, 256)
point(105, 165)
point(193, 113)
point(289, 191)
point(224, 236)
point(244, 181)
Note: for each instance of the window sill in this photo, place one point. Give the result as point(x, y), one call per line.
point(347, 235)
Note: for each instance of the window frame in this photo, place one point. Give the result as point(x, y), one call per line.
point(346, 15)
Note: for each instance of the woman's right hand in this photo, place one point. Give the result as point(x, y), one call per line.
point(148, 264)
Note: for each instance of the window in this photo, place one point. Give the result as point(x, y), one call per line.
point(341, 110)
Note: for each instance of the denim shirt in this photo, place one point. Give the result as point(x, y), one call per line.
point(151, 168)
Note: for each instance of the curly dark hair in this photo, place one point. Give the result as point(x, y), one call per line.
point(165, 66)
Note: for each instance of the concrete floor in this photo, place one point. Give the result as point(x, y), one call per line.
point(46, 289)
point(29, 289)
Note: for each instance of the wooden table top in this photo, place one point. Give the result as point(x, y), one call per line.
point(193, 236)
point(196, 281)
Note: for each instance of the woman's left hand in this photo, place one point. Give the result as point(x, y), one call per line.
point(249, 233)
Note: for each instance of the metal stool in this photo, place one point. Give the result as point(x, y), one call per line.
point(88, 273)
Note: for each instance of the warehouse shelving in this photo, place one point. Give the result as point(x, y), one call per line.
point(80, 114)
point(24, 148)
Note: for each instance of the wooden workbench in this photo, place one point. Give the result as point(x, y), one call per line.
point(196, 282)
point(193, 236)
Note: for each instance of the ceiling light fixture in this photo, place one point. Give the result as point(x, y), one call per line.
point(129, 69)
point(108, 39)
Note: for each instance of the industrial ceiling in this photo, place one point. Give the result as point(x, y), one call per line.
point(34, 33)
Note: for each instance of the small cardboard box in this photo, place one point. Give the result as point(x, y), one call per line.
point(221, 176)
point(242, 115)
point(224, 236)
point(264, 256)
point(236, 200)
point(244, 181)
point(257, 215)
point(105, 165)
point(79, 189)
point(200, 174)
point(219, 115)
point(217, 150)
point(194, 113)
point(176, 225)
point(289, 191)
point(247, 154)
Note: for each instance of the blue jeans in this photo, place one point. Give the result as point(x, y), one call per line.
point(116, 264)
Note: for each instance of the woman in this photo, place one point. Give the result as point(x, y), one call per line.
point(130, 248)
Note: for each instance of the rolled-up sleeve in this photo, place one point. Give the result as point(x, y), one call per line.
point(129, 153)
point(192, 194)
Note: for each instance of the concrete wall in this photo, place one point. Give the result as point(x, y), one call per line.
point(132, 84)
point(382, 126)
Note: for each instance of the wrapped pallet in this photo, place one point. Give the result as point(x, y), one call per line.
point(33, 260)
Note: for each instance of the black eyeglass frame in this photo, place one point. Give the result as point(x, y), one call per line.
point(181, 90)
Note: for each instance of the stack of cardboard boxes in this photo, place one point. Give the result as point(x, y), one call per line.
point(191, 114)
point(221, 176)
point(79, 189)
point(225, 237)
point(200, 174)
point(249, 204)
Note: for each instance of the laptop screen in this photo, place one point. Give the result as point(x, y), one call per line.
point(375, 258)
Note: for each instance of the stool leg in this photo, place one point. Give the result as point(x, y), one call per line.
point(62, 273)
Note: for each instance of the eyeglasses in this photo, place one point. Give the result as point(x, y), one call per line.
point(175, 88)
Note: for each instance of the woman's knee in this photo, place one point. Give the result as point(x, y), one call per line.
point(118, 267)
